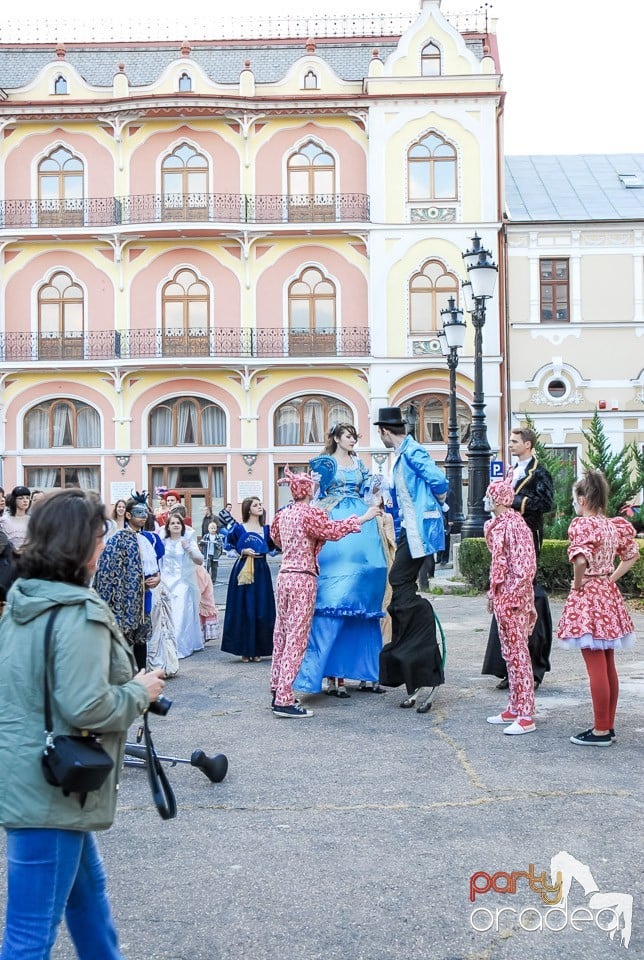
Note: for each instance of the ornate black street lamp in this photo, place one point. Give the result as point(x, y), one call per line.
point(479, 287)
point(452, 338)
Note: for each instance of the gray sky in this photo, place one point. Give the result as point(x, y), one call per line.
point(570, 66)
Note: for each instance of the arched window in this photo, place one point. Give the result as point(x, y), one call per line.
point(308, 420)
point(184, 184)
point(61, 323)
point(62, 423)
point(428, 415)
point(311, 314)
point(310, 80)
point(60, 189)
point(187, 421)
point(311, 184)
point(431, 165)
point(60, 85)
point(185, 83)
point(430, 61)
point(429, 291)
point(185, 307)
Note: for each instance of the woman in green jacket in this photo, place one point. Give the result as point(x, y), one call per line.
point(53, 863)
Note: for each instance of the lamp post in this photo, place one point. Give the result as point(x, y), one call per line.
point(479, 287)
point(452, 338)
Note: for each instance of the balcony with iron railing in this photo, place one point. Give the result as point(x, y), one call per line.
point(218, 344)
point(171, 209)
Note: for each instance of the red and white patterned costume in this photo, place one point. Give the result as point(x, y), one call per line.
point(595, 617)
point(512, 571)
point(301, 531)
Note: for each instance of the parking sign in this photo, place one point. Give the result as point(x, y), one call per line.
point(496, 469)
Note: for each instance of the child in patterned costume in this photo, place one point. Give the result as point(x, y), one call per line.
point(300, 530)
point(595, 619)
point(511, 600)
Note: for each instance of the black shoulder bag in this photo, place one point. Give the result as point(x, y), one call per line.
point(76, 764)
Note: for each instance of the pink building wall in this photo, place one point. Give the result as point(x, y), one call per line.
point(300, 385)
point(53, 389)
point(21, 290)
point(189, 387)
point(351, 286)
point(145, 289)
point(351, 169)
point(25, 156)
point(146, 160)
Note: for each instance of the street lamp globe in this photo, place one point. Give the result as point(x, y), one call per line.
point(453, 325)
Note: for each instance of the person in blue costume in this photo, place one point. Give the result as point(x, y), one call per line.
point(250, 601)
point(346, 637)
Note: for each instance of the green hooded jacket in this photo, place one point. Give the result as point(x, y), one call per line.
point(90, 688)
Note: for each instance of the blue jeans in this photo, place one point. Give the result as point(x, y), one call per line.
point(51, 872)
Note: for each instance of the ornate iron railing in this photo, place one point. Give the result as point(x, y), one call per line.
point(185, 208)
point(218, 343)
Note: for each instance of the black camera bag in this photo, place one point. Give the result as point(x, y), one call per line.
point(77, 764)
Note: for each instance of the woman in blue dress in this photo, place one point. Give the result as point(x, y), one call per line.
point(346, 638)
point(250, 602)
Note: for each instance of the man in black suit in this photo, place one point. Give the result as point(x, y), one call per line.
point(534, 497)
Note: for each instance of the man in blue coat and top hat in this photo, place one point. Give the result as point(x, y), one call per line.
point(419, 489)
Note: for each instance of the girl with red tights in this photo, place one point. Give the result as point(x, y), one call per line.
point(595, 619)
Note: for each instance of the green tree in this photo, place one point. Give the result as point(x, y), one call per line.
point(563, 475)
point(624, 470)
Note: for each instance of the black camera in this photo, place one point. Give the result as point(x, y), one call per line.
point(160, 706)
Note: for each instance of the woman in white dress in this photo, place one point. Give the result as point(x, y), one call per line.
point(15, 518)
point(178, 574)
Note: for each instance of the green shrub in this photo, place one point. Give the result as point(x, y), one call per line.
point(555, 571)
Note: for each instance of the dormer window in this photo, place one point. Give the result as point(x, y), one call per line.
point(430, 61)
point(60, 85)
point(310, 80)
point(185, 83)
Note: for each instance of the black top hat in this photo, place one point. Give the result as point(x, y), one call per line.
point(390, 417)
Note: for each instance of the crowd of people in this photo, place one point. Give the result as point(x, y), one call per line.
point(135, 594)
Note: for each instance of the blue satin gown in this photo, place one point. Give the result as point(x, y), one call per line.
point(346, 639)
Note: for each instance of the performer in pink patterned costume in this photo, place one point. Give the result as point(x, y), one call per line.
point(300, 530)
point(511, 600)
point(595, 618)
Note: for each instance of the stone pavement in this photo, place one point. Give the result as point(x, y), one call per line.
point(354, 834)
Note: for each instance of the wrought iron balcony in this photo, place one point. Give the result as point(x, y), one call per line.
point(218, 343)
point(186, 209)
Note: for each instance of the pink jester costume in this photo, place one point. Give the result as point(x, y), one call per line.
point(300, 530)
point(512, 569)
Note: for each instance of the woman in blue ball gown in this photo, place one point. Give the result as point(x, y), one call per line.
point(250, 602)
point(346, 638)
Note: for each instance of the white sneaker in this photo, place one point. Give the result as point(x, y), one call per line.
point(505, 717)
point(520, 726)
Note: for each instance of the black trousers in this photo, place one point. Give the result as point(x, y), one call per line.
point(539, 642)
point(412, 657)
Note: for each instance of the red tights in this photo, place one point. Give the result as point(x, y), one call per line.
point(604, 686)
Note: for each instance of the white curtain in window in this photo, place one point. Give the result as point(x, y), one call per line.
point(186, 416)
point(173, 476)
point(213, 427)
point(287, 432)
point(62, 423)
point(88, 428)
point(37, 428)
point(218, 483)
point(161, 427)
point(43, 478)
point(313, 422)
point(87, 478)
point(203, 477)
point(339, 413)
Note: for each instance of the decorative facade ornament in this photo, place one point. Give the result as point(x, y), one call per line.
point(432, 214)
point(542, 399)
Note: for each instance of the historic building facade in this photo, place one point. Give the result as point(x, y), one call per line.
point(211, 251)
point(575, 270)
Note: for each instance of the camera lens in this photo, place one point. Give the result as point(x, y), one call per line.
point(160, 706)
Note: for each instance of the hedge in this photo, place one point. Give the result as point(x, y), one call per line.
point(555, 571)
